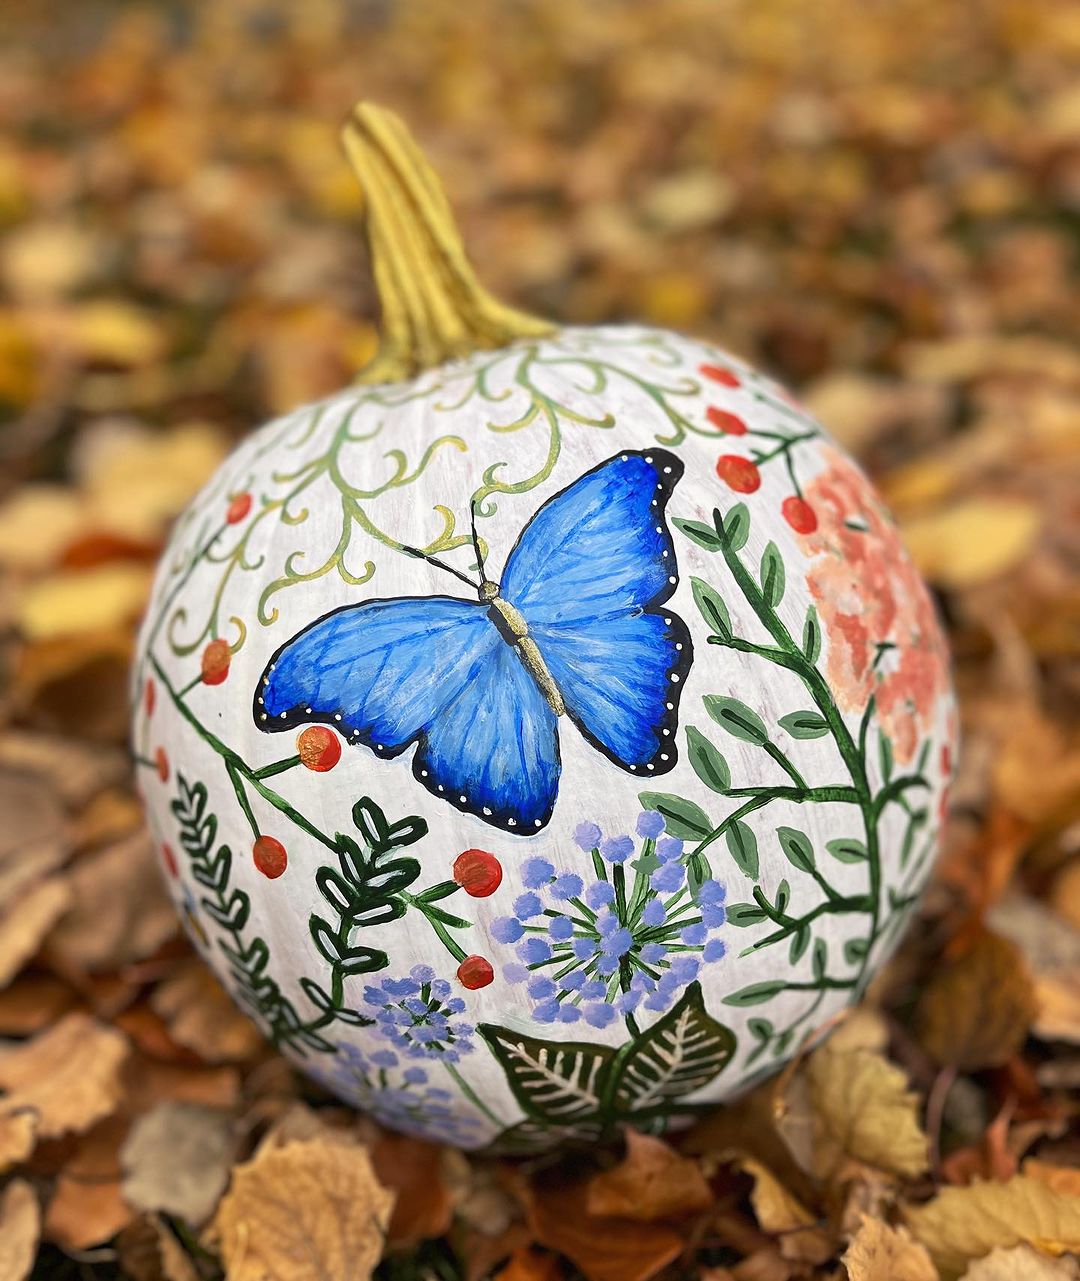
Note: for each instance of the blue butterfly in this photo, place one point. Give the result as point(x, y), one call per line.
point(576, 626)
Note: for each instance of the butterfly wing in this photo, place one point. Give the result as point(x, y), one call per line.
point(432, 671)
point(591, 574)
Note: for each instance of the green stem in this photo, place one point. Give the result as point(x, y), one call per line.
point(473, 1097)
point(276, 767)
point(781, 759)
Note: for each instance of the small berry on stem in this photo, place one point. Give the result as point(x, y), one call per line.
point(149, 695)
point(474, 972)
point(739, 473)
point(270, 857)
point(238, 508)
point(720, 374)
point(319, 748)
point(799, 514)
point(168, 857)
point(478, 873)
point(216, 658)
point(161, 761)
point(729, 424)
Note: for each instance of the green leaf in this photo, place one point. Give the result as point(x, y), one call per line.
point(739, 720)
point(797, 848)
point(760, 1029)
point(558, 1083)
point(741, 915)
point(820, 959)
point(805, 724)
point(704, 535)
point(680, 1053)
point(783, 895)
point(742, 843)
point(756, 993)
point(855, 950)
point(885, 754)
point(773, 579)
point(811, 637)
point(711, 607)
point(800, 941)
point(735, 526)
point(709, 765)
point(847, 849)
point(682, 818)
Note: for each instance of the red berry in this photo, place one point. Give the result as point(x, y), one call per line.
point(169, 859)
point(319, 748)
point(216, 658)
point(727, 377)
point(270, 857)
point(474, 972)
point(799, 514)
point(729, 424)
point(946, 761)
point(238, 508)
point(739, 473)
point(478, 873)
point(162, 763)
point(149, 696)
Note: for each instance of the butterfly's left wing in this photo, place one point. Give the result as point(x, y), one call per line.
point(591, 574)
point(429, 670)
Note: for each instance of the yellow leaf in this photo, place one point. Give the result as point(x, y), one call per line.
point(961, 1224)
point(1022, 1263)
point(85, 600)
point(20, 1225)
point(309, 1211)
point(973, 541)
point(879, 1252)
point(864, 1108)
point(780, 1214)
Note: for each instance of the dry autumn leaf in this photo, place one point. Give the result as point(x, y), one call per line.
point(20, 1224)
point(977, 1008)
point(176, 1160)
point(962, 1224)
point(308, 1211)
point(799, 1238)
point(879, 1252)
point(1022, 1263)
point(865, 1110)
point(27, 921)
point(651, 1182)
point(86, 1207)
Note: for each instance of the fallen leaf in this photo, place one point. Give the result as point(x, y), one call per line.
point(66, 1078)
point(20, 1226)
point(412, 1169)
point(865, 1110)
point(973, 541)
point(879, 1252)
point(202, 1017)
point(80, 601)
point(527, 1264)
point(1022, 1263)
point(148, 1251)
point(603, 1249)
point(976, 1009)
point(962, 1224)
point(27, 921)
point(31, 1002)
point(86, 1207)
point(1062, 1178)
point(176, 1160)
point(35, 838)
point(651, 1182)
point(801, 1239)
point(309, 1211)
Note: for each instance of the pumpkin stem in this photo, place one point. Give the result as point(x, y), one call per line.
point(433, 307)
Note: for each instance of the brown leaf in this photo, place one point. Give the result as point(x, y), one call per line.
point(86, 1207)
point(865, 1110)
point(34, 838)
point(66, 1078)
point(879, 1252)
point(176, 1160)
point(20, 1226)
point(1022, 1263)
point(309, 1211)
point(604, 1249)
point(800, 1239)
point(651, 1182)
point(976, 1009)
point(412, 1170)
point(148, 1251)
point(202, 1017)
point(26, 922)
point(530, 1265)
point(961, 1224)
point(121, 911)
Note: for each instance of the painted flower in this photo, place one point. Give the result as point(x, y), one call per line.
point(884, 638)
point(401, 1097)
point(633, 935)
point(419, 1017)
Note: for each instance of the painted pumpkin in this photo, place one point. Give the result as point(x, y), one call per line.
point(547, 732)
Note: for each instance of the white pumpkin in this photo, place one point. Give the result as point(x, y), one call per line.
point(551, 737)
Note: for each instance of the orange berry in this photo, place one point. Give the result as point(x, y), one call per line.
point(270, 857)
point(169, 859)
point(161, 760)
point(319, 748)
point(799, 514)
point(727, 377)
point(478, 873)
point(216, 658)
point(238, 508)
point(149, 696)
point(474, 972)
point(739, 473)
point(729, 424)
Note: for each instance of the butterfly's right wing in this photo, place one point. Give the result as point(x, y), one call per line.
point(433, 671)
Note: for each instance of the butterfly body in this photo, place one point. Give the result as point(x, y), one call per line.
point(575, 627)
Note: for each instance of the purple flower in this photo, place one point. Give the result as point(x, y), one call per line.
point(667, 848)
point(650, 824)
point(617, 849)
point(536, 872)
point(414, 1016)
point(587, 836)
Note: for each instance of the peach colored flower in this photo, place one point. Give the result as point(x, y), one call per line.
point(884, 637)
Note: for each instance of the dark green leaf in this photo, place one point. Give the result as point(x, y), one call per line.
point(742, 843)
point(820, 959)
point(760, 1029)
point(783, 895)
point(560, 1083)
point(756, 993)
point(740, 915)
point(797, 848)
point(735, 526)
point(885, 754)
point(855, 950)
point(704, 535)
point(682, 818)
point(800, 941)
point(709, 765)
point(847, 849)
point(739, 720)
point(811, 637)
point(711, 607)
point(772, 575)
point(805, 724)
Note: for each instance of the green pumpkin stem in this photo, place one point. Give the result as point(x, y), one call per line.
point(433, 307)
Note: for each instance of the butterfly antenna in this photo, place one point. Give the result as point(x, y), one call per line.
point(476, 541)
point(434, 560)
